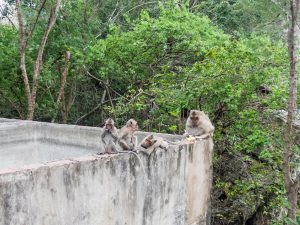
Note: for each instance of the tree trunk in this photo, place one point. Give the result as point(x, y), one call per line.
point(291, 185)
point(31, 94)
point(63, 82)
point(68, 104)
point(22, 40)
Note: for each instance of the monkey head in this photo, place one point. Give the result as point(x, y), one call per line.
point(148, 141)
point(195, 117)
point(132, 124)
point(109, 124)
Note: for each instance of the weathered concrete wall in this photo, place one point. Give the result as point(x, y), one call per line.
point(104, 190)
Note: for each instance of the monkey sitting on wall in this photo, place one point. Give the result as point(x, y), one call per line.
point(112, 140)
point(126, 138)
point(198, 125)
point(109, 137)
point(151, 142)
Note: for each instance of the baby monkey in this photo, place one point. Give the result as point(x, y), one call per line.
point(126, 138)
point(198, 125)
point(109, 137)
point(150, 143)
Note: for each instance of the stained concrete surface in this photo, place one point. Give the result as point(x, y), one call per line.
point(17, 155)
point(86, 189)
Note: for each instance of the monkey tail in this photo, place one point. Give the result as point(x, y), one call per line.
point(139, 158)
point(181, 142)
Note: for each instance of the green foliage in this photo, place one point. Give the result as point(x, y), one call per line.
point(156, 64)
point(245, 17)
point(11, 89)
point(181, 61)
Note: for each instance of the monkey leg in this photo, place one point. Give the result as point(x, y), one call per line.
point(125, 146)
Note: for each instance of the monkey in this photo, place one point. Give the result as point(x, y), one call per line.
point(198, 126)
point(127, 140)
point(151, 142)
point(109, 137)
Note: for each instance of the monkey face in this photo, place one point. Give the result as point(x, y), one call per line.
point(132, 124)
point(148, 143)
point(108, 126)
point(195, 117)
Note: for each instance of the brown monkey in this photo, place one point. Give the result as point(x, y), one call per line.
point(198, 125)
point(151, 142)
point(109, 137)
point(127, 140)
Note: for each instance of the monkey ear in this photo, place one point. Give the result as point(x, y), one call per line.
point(151, 136)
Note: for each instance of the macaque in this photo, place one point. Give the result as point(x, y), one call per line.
point(127, 140)
point(150, 143)
point(109, 137)
point(198, 125)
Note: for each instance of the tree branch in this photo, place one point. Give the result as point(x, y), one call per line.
point(101, 82)
point(67, 105)
point(63, 82)
point(297, 181)
point(94, 110)
point(7, 17)
point(38, 62)
point(35, 22)
point(142, 4)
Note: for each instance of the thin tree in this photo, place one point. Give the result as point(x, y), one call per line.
point(291, 184)
point(31, 90)
point(63, 81)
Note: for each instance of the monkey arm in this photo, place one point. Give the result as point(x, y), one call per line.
point(114, 135)
point(103, 137)
point(112, 148)
point(204, 136)
point(147, 151)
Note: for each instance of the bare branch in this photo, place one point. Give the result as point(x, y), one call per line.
point(101, 82)
point(36, 20)
point(7, 17)
point(137, 6)
point(64, 77)
point(67, 105)
point(297, 181)
point(94, 110)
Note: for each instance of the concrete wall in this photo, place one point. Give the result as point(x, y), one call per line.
point(104, 190)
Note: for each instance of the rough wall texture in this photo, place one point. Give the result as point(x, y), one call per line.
point(107, 190)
